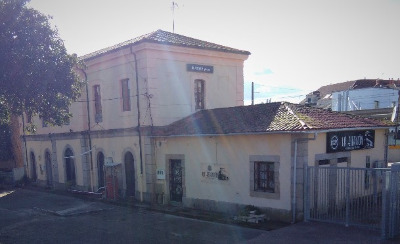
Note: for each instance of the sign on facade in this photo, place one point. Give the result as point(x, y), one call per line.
point(200, 68)
point(350, 140)
point(214, 172)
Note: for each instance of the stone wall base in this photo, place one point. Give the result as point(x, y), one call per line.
point(234, 209)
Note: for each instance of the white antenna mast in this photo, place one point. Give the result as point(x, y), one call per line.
point(174, 4)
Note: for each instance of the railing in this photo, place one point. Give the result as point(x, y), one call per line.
point(391, 203)
point(352, 196)
point(355, 196)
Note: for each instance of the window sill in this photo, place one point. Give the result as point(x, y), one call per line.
point(261, 194)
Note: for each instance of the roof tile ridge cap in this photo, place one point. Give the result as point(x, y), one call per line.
point(290, 110)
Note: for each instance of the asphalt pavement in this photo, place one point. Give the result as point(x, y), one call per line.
point(26, 214)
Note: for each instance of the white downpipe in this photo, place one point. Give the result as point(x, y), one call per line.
point(295, 174)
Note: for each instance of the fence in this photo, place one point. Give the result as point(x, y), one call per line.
point(351, 196)
point(355, 196)
point(391, 203)
point(10, 177)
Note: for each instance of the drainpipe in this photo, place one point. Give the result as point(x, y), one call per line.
point(88, 131)
point(26, 149)
point(295, 174)
point(138, 123)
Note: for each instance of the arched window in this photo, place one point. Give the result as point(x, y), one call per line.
point(130, 174)
point(70, 167)
point(33, 167)
point(49, 168)
point(100, 168)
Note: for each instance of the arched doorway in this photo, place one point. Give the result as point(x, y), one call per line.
point(70, 167)
point(49, 168)
point(130, 174)
point(100, 168)
point(33, 167)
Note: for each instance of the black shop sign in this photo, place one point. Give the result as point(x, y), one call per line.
point(350, 140)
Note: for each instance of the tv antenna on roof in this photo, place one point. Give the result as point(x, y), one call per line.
point(174, 4)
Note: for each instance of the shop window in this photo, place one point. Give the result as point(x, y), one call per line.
point(126, 99)
point(264, 176)
point(199, 94)
point(98, 113)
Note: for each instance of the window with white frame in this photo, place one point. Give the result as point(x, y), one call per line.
point(126, 99)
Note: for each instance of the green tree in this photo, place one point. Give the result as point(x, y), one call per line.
point(36, 73)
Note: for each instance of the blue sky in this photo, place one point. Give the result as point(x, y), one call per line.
point(296, 46)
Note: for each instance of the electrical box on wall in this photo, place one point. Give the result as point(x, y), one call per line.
point(160, 174)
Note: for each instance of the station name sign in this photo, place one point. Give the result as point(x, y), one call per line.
point(350, 140)
point(200, 68)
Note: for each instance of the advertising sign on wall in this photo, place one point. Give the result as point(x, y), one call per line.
point(349, 140)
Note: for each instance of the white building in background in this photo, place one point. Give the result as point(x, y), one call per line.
point(365, 98)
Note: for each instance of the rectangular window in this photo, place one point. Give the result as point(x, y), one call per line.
point(29, 118)
point(44, 124)
point(323, 162)
point(376, 104)
point(126, 99)
point(97, 104)
point(199, 94)
point(264, 177)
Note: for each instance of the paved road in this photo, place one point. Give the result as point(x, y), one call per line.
point(28, 216)
point(38, 217)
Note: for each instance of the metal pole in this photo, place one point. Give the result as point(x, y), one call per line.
point(306, 195)
point(347, 196)
point(384, 204)
point(252, 93)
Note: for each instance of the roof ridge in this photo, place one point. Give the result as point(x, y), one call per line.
point(290, 110)
point(166, 38)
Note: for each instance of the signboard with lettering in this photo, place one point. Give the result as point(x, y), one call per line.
point(214, 172)
point(200, 68)
point(349, 140)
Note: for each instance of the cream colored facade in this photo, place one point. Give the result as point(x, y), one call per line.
point(236, 154)
point(215, 171)
point(165, 94)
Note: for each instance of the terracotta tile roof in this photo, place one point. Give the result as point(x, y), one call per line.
point(166, 38)
point(329, 89)
point(264, 118)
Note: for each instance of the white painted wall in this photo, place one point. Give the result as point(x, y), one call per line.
point(360, 99)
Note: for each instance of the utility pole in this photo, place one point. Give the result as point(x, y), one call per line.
point(174, 4)
point(252, 93)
